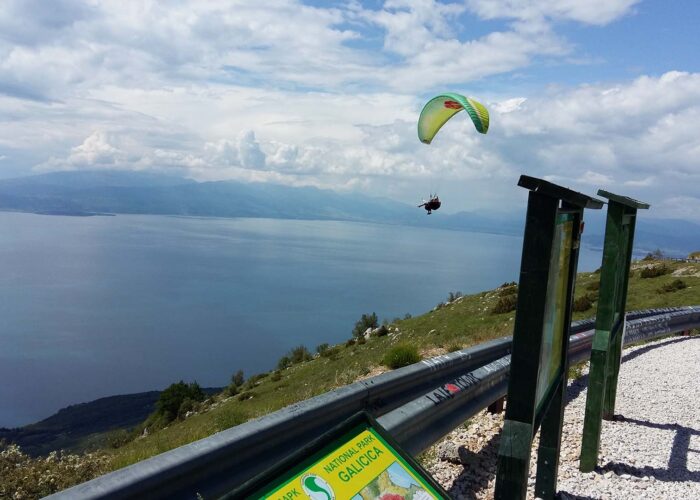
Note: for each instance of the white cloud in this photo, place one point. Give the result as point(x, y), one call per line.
point(597, 12)
point(285, 92)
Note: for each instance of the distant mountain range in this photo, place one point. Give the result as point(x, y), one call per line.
point(83, 193)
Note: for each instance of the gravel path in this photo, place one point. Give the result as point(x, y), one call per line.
point(652, 451)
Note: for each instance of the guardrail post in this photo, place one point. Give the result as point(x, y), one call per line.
point(610, 322)
point(497, 406)
point(541, 337)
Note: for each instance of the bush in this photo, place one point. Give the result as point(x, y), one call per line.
point(655, 271)
point(245, 395)
point(365, 322)
point(508, 290)
point(350, 343)
point(321, 348)
point(593, 285)
point(238, 378)
point(381, 331)
point(331, 352)
point(673, 286)
point(22, 476)
point(505, 304)
point(582, 304)
point(232, 389)
point(508, 284)
point(454, 347)
point(361, 341)
point(300, 354)
point(172, 398)
point(454, 296)
point(407, 316)
point(401, 355)
point(296, 355)
point(276, 376)
point(592, 296)
point(284, 362)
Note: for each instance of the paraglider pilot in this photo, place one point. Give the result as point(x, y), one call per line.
point(432, 204)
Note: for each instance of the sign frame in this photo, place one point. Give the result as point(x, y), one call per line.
point(609, 322)
point(314, 451)
point(526, 410)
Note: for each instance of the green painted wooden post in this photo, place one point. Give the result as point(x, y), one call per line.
point(553, 420)
point(544, 303)
point(610, 322)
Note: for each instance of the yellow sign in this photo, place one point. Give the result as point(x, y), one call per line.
point(362, 468)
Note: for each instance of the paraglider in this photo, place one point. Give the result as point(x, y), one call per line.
point(432, 204)
point(436, 113)
point(441, 108)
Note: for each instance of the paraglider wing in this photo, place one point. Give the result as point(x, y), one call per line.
point(443, 107)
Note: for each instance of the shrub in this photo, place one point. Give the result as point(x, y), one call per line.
point(673, 286)
point(238, 378)
point(321, 348)
point(505, 304)
point(361, 341)
point(508, 284)
point(401, 355)
point(508, 290)
point(592, 296)
point(593, 285)
point(365, 322)
point(284, 362)
point(187, 406)
point(331, 352)
point(655, 271)
point(232, 389)
point(381, 331)
point(172, 398)
point(300, 354)
point(454, 347)
point(22, 476)
point(582, 304)
point(350, 342)
point(245, 395)
point(407, 316)
point(276, 376)
point(454, 296)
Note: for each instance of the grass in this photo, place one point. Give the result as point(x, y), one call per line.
point(461, 323)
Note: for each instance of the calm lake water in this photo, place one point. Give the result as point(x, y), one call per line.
point(97, 306)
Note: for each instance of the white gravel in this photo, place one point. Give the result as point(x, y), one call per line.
point(652, 452)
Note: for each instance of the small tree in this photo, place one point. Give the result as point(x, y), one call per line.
point(173, 397)
point(237, 378)
point(365, 322)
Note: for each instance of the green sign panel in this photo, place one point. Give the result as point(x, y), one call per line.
point(357, 462)
point(555, 308)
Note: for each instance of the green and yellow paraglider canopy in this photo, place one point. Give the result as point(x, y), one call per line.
point(443, 107)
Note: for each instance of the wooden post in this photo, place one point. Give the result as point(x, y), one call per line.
point(540, 338)
point(610, 322)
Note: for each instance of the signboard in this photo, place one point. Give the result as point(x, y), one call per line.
point(555, 308)
point(356, 461)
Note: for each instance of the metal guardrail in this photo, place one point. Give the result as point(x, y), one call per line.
point(418, 404)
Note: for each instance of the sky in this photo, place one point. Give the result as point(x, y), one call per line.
point(595, 94)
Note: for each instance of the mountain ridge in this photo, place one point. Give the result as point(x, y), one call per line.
point(84, 193)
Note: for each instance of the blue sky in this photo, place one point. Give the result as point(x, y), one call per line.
point(595, 94)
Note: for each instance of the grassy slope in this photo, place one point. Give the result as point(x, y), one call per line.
point(465, 322)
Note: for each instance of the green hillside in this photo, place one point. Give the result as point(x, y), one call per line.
point(456, 324)
point(465, 321)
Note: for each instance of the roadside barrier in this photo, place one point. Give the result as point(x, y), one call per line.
point(417, 404)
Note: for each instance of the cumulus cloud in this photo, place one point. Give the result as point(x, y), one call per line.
point(328, 96)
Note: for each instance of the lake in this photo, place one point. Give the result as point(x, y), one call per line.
point(97, 306)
